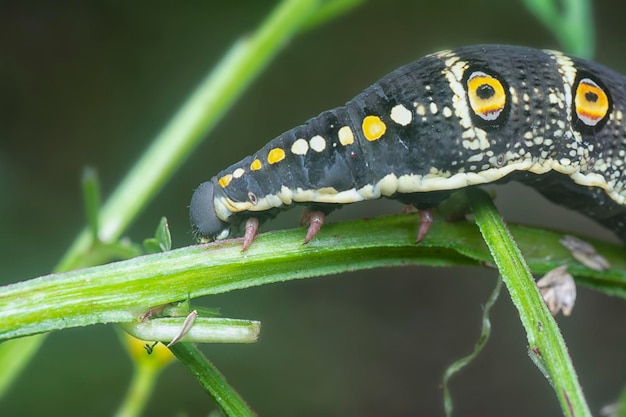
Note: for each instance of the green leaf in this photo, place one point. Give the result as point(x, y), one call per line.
point(162, 240)
point(162, 235)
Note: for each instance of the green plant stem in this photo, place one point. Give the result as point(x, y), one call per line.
point(140, 390)
point(203, 330)
point(571, 22)
point(213, 382)
point(122, 292)
point(91, 195)
point(545, 341)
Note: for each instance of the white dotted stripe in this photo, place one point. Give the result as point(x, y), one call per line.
point(568, 71)
point(453, 72)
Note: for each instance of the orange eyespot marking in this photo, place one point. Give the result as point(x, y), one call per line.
point(275, 155)
point(225, 180)
point(373, 127)
point(486, 94)
point(256, 165)
point(591, 102)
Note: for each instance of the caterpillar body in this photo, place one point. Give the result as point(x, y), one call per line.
point(452, 119)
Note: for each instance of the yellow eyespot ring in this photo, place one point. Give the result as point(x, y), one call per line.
point(590, 102)
point(486, 95)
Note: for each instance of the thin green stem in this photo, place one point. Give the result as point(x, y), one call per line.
point(91, 195)
point(141, 387)
point(213, 382)
point(545, 341)
point(149, 360)
point(571, 22)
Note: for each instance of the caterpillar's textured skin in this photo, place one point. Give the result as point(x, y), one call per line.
point(453, 119)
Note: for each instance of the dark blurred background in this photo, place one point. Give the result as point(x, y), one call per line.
point(91, 83)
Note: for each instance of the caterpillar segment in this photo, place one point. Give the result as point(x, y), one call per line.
point(453, 119)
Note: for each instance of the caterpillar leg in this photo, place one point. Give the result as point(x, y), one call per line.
point(426, 219)
point(250, 229)
point(315, 219)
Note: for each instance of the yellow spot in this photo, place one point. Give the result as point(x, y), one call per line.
point(318, 143)
point(346, 137)
point(373, 127)
point(486, 95)
point(300, 147)
point(591, 102)
point(225, 180)
point(256, 165)
point(275, 155)
point(238, 173)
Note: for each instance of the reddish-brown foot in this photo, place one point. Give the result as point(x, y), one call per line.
point(426, 219)
point(316, 220)
point(251, 227)
point(152, 312)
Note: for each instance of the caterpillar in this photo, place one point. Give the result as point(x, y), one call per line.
point(453, 119)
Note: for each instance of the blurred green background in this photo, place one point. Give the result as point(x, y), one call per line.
point(91, 83)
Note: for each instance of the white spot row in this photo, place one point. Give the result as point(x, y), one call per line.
point(301, 146)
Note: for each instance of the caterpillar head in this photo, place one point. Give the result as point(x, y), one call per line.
point(204, 221)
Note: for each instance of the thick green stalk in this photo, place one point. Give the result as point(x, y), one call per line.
point(124, 291)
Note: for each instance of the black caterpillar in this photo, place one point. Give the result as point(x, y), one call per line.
point(453, 119)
